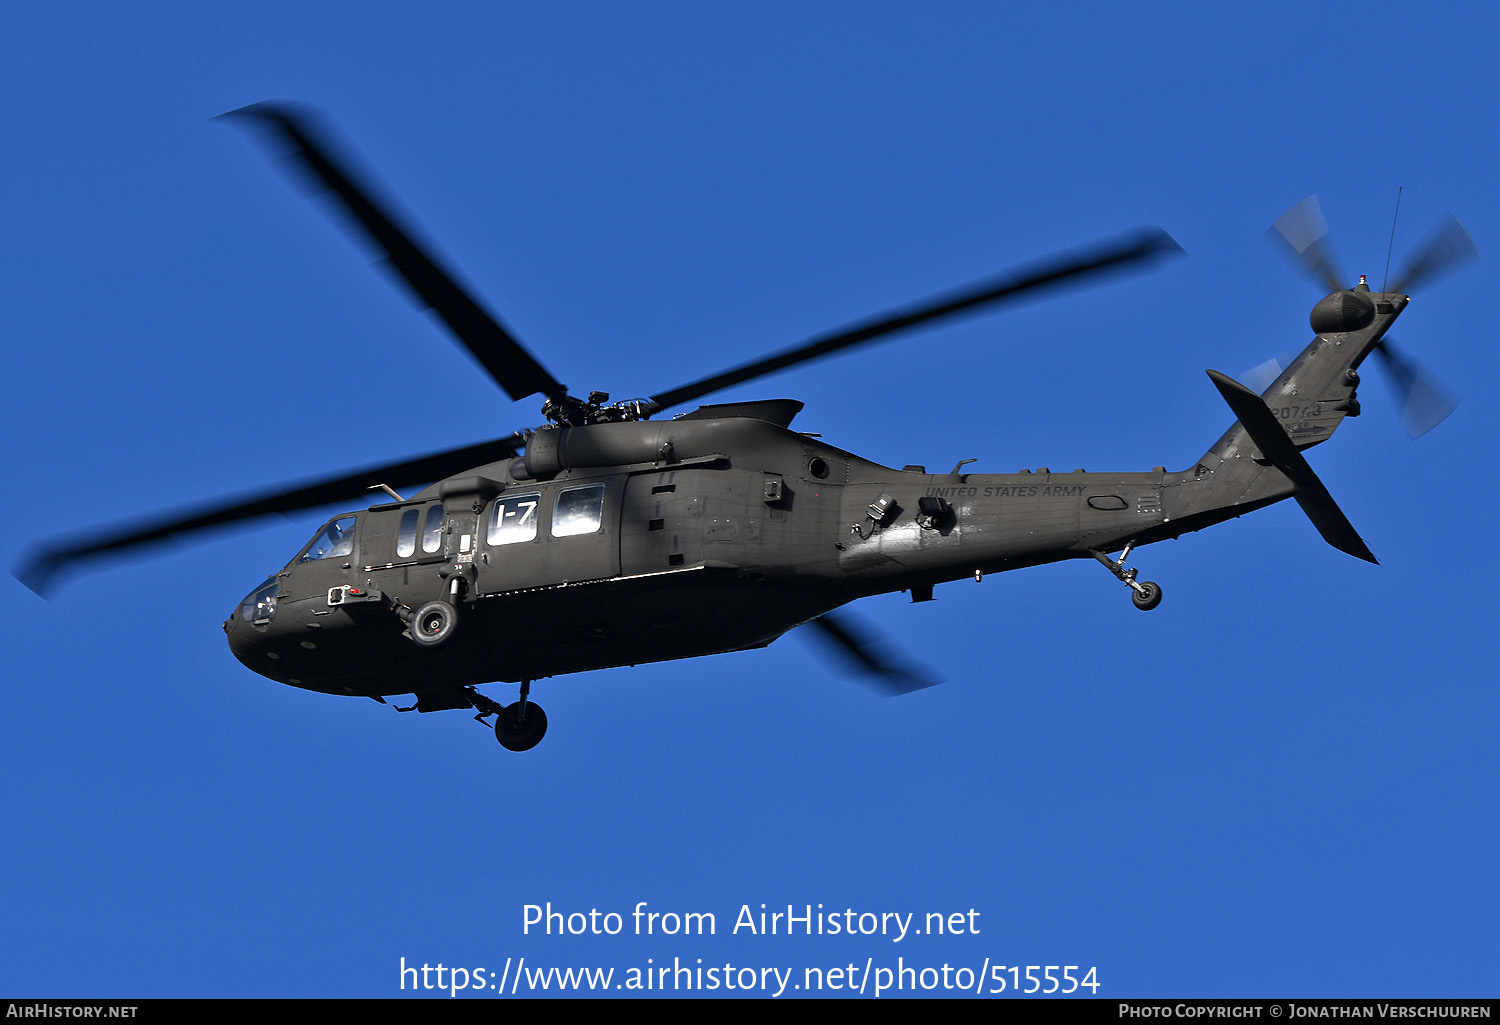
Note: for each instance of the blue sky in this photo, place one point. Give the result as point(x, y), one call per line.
point(1280, 783)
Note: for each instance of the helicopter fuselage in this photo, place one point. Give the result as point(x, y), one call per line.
point(616, 544)
point(738, 531)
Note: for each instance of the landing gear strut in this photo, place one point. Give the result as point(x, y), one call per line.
point(518, 727)
point(1146, 595)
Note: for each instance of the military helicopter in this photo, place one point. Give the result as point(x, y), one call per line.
point(605, 538)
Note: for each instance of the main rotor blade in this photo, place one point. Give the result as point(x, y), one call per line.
point(1143, 246)
point(492, 345)
point(1424, 403)
point(887, 676)
point(1305, 233)
point(46, 561)
point(1448, 246)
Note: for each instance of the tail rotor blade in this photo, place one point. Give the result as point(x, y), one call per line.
point(1447, 247)
point(1424, 403)
point(1304, 233)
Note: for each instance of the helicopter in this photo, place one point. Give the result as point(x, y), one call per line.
point(605, 538)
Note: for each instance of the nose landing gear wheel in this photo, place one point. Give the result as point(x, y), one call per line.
point(518, 732)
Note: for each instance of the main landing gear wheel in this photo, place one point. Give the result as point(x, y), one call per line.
point(433, 623)
point(1148, 597)
point(519, 730)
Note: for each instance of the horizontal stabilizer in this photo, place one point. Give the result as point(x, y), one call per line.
point(1274, 444)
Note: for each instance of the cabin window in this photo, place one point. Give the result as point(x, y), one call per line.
point(334, 540)
point(578, 511)
point(406, 537)
point(513, 519)
point(432, 530)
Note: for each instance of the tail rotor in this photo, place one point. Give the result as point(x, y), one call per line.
point(1447, 247)
point(1302, 234)
point(1424, 402)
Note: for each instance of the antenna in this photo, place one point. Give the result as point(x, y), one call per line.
point(1392, 246)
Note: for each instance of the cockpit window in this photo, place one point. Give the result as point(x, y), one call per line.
point(259, 606)
point(578, 511)
point(334, 540)
point(432, 530)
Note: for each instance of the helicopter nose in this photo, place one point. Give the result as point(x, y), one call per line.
point(249, 646)
point(248, 629)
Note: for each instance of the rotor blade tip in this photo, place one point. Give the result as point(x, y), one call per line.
point(886, 675)
point(266, 108)
point(1162, 242)
point(901, 683)
point(37, 575)
point(248, 110)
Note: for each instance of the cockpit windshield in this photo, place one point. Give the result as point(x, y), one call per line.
point(335, 539)
point(259, 606)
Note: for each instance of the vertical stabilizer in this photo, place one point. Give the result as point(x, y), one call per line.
point(1278, 449)
point(1259, 460)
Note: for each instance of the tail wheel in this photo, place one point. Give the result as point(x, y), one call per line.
point(1148, 597)
point(433, 623)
